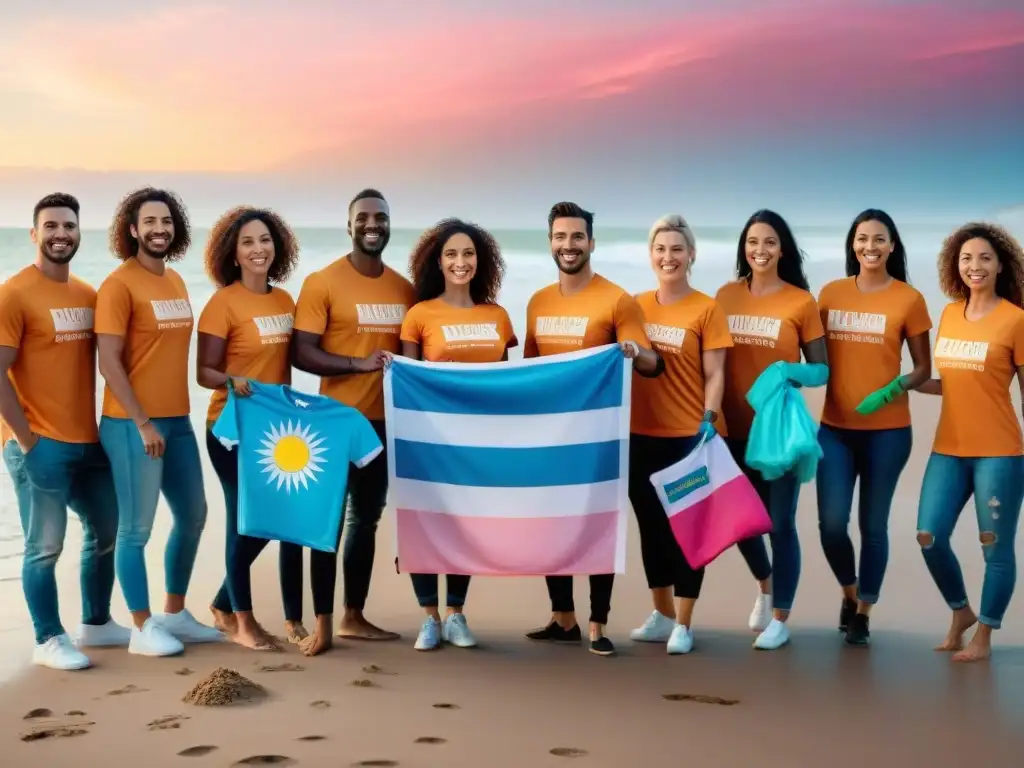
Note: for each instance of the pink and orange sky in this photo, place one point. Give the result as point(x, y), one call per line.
point(494, 110)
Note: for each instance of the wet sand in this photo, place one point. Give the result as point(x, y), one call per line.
point(517, 704)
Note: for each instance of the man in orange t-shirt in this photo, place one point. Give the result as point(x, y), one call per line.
point(51, 446)
point(582, 310)
point(347, 320)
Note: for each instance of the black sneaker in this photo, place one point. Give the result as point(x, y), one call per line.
point(602, 647)
point(554, 633)
point(858, 633)
point(846, 614)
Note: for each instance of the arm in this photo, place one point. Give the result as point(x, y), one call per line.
point(112, 370)
point(713, 362)
point(815, 352)
point(308, 356)
point(921, 354)
point(10, 406)
point(211, 359)
point(630, 332)
point(930, 387)
point(1020, 383)
point(411, 349)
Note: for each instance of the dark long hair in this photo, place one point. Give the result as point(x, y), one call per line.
point(425, 262)
point(791, 262)
point(896, 264)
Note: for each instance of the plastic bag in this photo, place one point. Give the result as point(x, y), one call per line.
point(783, 437)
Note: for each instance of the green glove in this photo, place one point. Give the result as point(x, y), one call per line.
point(882, 397)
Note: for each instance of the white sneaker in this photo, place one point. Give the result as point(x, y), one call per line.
point(456, 631)
point(681, 640)
point(775, 635)
point(762, 613)
point(657, 629)
point(153, 640)
point(60, 653)
point(183, 625)
point(429, 637)
point(107, 635)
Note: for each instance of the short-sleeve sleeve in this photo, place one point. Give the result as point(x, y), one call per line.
point(214, 319)
point(1018, 342)
point(507, 331)
point(412, 325)
point(629, 321)
point(810, 321)
point(313, 307)
point(714, 334)
point(12, 318)
point(918, 320)
point(365, 445)
point(113, 308)
point(225, 429)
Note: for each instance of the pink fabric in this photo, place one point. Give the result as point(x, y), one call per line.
point(709, 527)
point(433, 542)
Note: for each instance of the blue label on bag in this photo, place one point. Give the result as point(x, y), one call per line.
point(687, 484)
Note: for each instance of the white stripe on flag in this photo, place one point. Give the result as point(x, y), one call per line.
point(539, 431)
point(469, 501)
point(721, 468)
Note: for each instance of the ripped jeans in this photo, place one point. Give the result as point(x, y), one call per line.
point(998, 487)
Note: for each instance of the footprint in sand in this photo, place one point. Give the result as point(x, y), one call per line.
point(265, 760)
point(55, 731)
point(127, 689)
point(166, 723)
point(75, 713)
point(311, 738)
point(378, 763)
point(568, 752)
point(373, 669)
point(446, 706)
point(286, 667)
point(321, 704)
point(364, 683)
point(431, 740)
point(183, 671)
point(202, 749)
point(700, 698)
point(36, 713)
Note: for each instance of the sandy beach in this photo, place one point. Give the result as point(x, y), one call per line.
point(514, 703)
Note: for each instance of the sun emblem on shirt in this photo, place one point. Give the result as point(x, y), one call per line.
point(292, 455)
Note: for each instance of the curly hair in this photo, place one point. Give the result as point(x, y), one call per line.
point(791, 263)
point(1009, 282)
point(425, 262)
point(896, 264)
point(223, 243)
point(124, 245)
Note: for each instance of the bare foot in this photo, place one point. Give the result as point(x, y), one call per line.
point(295, 632)
point(361, 629)
point(979, 649)
point(257, 640)
point(225, 622)
point(963, 620)
point(315, 644)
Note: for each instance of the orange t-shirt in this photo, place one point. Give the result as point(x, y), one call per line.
point(479, 334)
point(153, 315)
point(672, 405)
point(765, 329)
point(54, 374)
point(865, 334)
point(355, 315)
point(602, 313)
point(977, 361)
point(257, 328)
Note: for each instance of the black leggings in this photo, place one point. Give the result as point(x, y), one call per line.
point(367, 495)
point(560, 592)
point(235, 593)
point(664, 562)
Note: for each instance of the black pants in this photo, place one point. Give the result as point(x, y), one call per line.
point(367, 495)
point(560, 592)
point(235, 593)
point(426, 589)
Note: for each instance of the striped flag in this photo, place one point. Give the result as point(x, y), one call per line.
point(512, 468)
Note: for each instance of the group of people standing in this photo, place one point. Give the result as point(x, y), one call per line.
point(694, 357)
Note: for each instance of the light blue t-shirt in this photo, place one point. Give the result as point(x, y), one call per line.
point(294, 451)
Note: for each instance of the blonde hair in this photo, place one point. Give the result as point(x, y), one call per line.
point(672, 223)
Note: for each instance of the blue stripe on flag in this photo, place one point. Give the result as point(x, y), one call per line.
point(566, 386)
point(508, 467)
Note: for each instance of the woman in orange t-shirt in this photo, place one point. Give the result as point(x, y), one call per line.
point(244, 334)
point(773, 318)
point(456, 268)
point(865, 427)
point(978, 446)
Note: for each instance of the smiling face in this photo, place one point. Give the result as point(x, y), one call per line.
point(570, 246)
point(873, 245)
point(57, 235)
point(671, 257)
point(154, 229)
point(255, 249)
point(458, 259)
point(370, 225)
point(979, 265)
point(763, 249)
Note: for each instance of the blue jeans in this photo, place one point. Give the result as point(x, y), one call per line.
point(138, 481)
point(998, 488)
point(779, 498)
point(50, 478)
point(877, 457)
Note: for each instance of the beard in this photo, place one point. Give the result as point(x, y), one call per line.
point(153, 253)
point(59, 258)
point(582, 259)
point(373, 249)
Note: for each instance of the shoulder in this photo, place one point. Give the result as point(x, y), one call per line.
point(283, 297)
point(798, 296)
point(21, 279)
point(544, 294)
point(952, 310)
point(830, 289)
point(82, 287)
point(120, 277)
point(396, 277)
point(420, 310)
point(730, 290)
point(907, 292)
